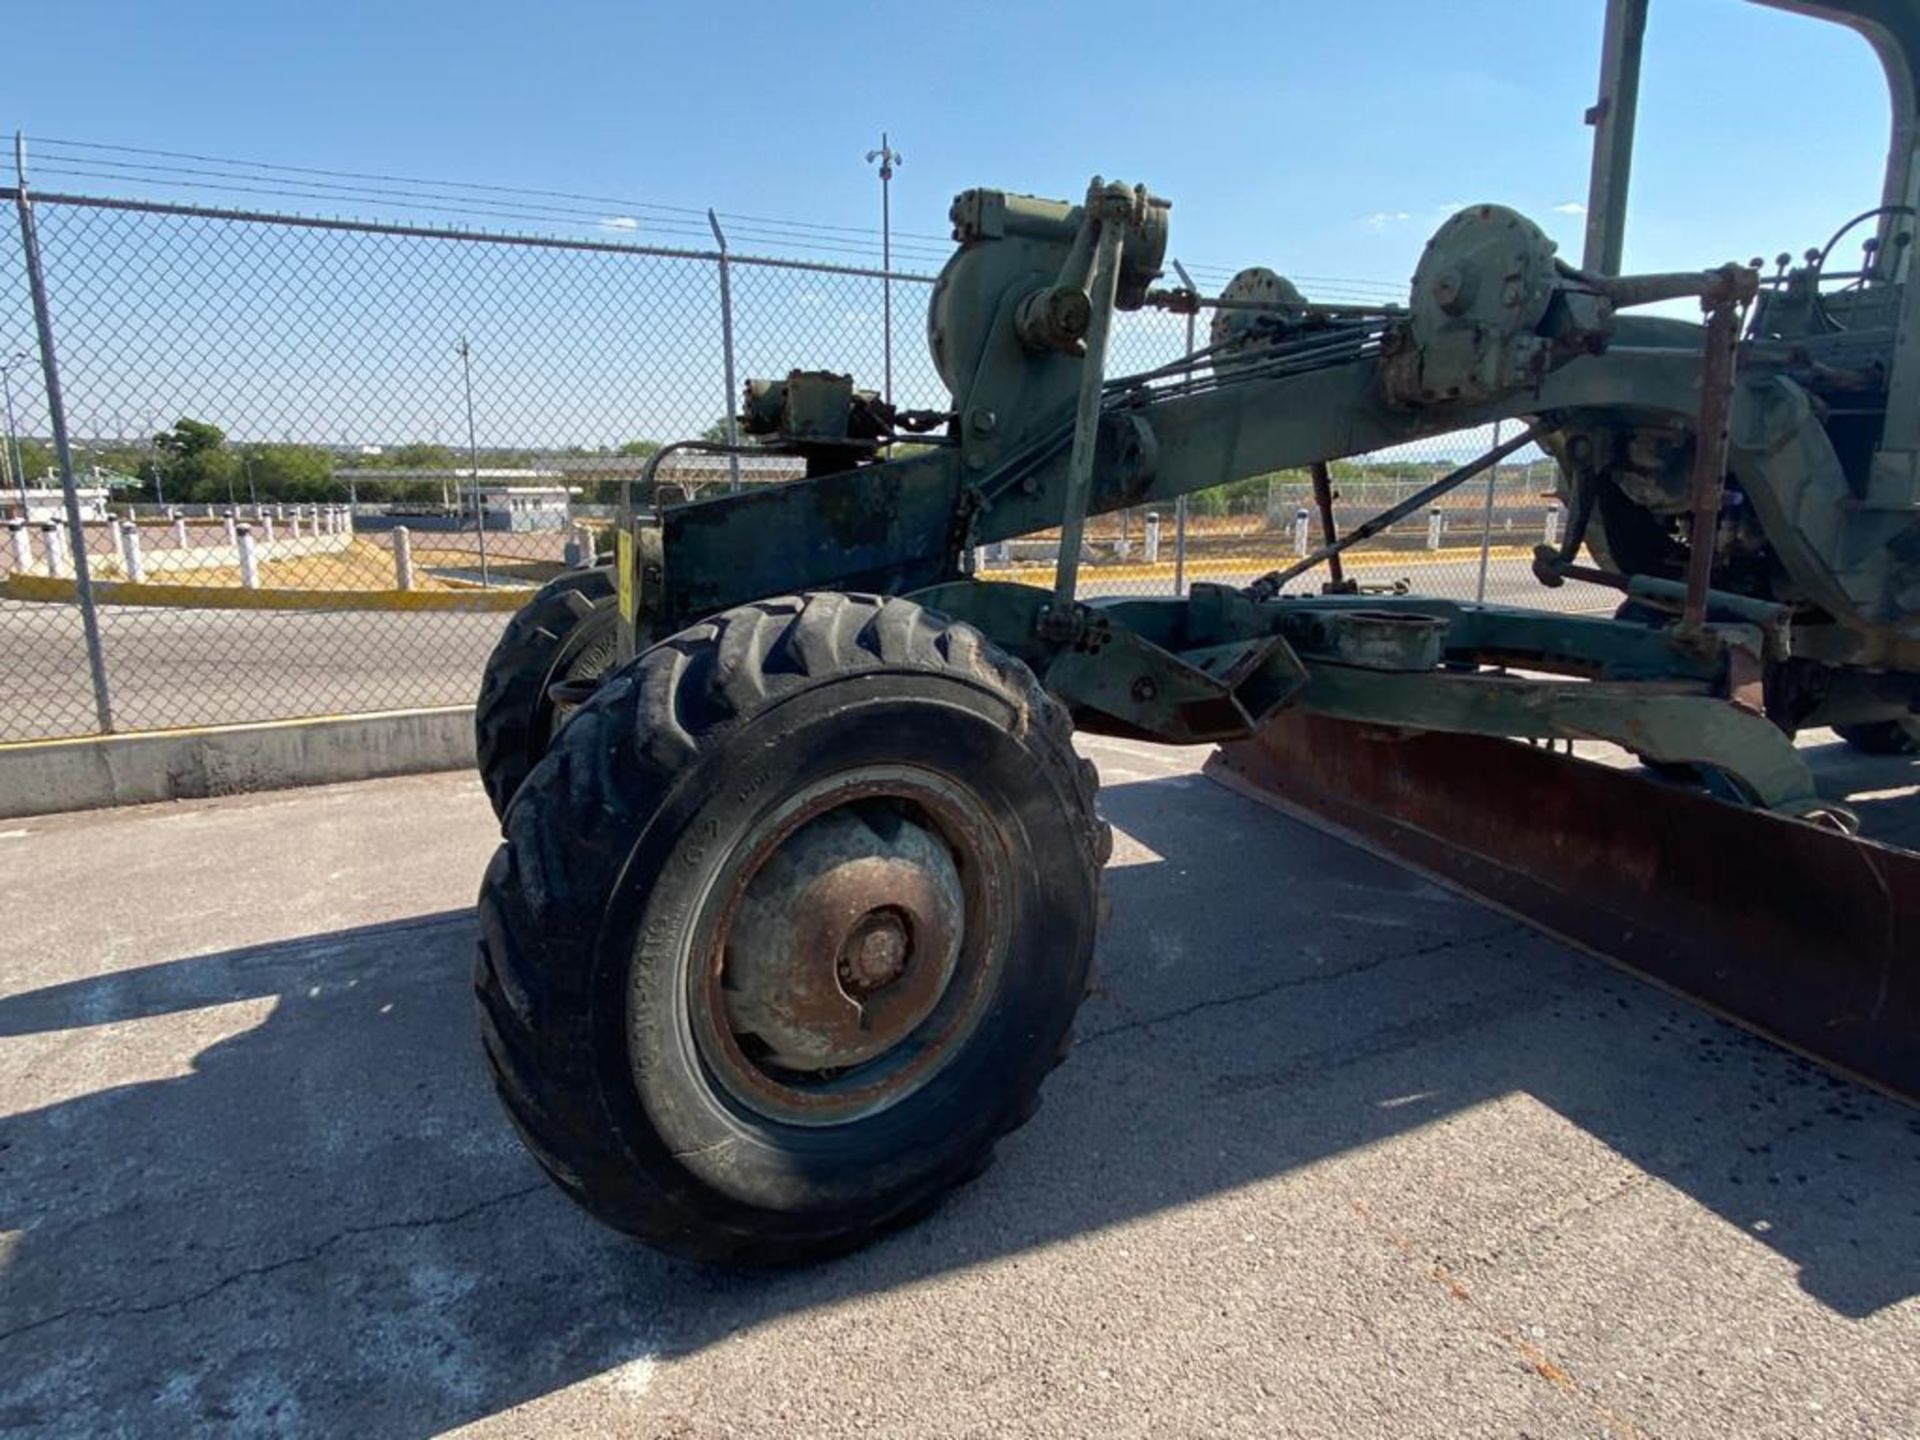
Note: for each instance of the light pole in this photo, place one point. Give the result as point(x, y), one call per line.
point(888, 158)
point(19, 357)
point(473, 459)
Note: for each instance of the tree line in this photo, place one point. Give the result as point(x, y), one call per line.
point(194, 463)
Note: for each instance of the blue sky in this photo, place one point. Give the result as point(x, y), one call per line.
point(1323, 140)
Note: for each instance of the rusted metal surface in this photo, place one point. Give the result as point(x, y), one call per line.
point(1329, 532)
point(1721, 344)
point(843, 942)
point(853, 945)
point(1803, 935)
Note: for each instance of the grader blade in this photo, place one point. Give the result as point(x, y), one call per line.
point(1799, 933)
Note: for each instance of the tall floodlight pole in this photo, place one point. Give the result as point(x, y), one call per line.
point(888, 158)
point(19, 357)
point(473, 459)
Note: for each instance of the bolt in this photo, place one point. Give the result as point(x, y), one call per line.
point(875, 957)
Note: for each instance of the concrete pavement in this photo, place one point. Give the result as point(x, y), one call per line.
point(1339, 1154)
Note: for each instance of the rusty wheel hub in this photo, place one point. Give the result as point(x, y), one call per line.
point(844, 941)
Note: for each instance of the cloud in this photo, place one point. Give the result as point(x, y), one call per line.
point(1381, 219)
point(1570, 207)
point(619, 222)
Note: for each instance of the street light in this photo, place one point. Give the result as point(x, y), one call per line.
point(19, 357)
point(888, 158)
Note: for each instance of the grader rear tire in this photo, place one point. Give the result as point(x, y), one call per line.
point(1899, 736)
point(565, 632)
point(789, 926)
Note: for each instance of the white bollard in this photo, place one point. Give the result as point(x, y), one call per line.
point(232, 531)
point(402, 558)
point(267, 521)
point(22, 546)
point(52, 548)
point(130, 551)
point(179, 532)
point(346, 518)
point(1152, 551)
point(1553, 524)
point(1436, 525)
point(249, 561)
point(295, 523)
point(1300, 532)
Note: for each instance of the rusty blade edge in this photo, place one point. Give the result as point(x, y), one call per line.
point(1803, 936)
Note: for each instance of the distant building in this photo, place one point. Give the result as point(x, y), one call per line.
point(518, 507)
point(44, 503)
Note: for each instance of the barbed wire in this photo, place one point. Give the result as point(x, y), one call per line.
point(59, 157)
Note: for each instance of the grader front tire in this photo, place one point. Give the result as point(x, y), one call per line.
point(789, 926)
point(565, 632)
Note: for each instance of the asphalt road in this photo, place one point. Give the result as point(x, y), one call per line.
point(1339, 1154)
point(205, 667)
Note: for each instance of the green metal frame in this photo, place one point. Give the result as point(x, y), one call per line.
point(1497, 328)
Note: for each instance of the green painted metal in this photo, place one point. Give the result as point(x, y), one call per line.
point(1812, 546)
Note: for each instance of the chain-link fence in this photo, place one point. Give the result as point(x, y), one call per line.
point(316, 464)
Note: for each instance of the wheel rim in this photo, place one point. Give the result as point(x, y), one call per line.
point(848, 947)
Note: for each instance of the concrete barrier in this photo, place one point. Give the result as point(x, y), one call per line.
point(51, 776)
point(130, 551)
point(249, 559)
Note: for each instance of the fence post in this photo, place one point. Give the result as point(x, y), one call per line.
point(130, 551)
point(726, 347)
point(249, 560)
point(1151, 546)
point(52, 552)
point(63, 452)
point(22, 546)
point(267, 522)
point(1436, 527)
point(1180, 502)
point(1299, 532)
point(1486, 523)
point(1553, 523)
point(402, 558)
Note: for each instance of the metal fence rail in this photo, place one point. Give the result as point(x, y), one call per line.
point(283, 435)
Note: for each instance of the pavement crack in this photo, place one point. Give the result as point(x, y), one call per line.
point(104, 1311)
point(1294, 982)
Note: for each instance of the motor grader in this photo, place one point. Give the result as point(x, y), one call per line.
point(801, 872)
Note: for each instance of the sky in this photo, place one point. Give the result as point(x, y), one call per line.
point(1323, 140)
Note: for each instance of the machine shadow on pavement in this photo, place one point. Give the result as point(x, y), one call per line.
point(320, 1220)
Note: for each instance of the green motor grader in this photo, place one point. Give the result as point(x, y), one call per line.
point(800, 877)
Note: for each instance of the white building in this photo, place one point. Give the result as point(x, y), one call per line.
point(518, 507)
point(50, 503)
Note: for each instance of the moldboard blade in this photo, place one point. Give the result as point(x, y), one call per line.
point(1804, 935)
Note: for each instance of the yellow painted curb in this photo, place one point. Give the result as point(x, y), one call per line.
point(234, 597)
